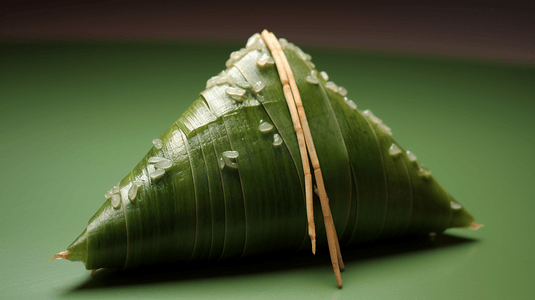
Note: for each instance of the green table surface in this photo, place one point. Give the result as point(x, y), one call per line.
point(76, 117)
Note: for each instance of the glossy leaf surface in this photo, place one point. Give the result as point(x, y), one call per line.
point(208, 205)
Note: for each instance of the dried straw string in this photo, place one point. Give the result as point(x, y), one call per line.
point(302, 130)
point(300, 139)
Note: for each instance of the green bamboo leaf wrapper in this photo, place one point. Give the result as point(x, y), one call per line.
point(211, 205)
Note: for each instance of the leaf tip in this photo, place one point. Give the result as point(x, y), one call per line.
point(61, 255)
point(475, 226)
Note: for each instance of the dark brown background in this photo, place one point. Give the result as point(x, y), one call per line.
point(497, 31)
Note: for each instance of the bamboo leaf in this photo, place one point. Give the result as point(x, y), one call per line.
point(226, 179)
